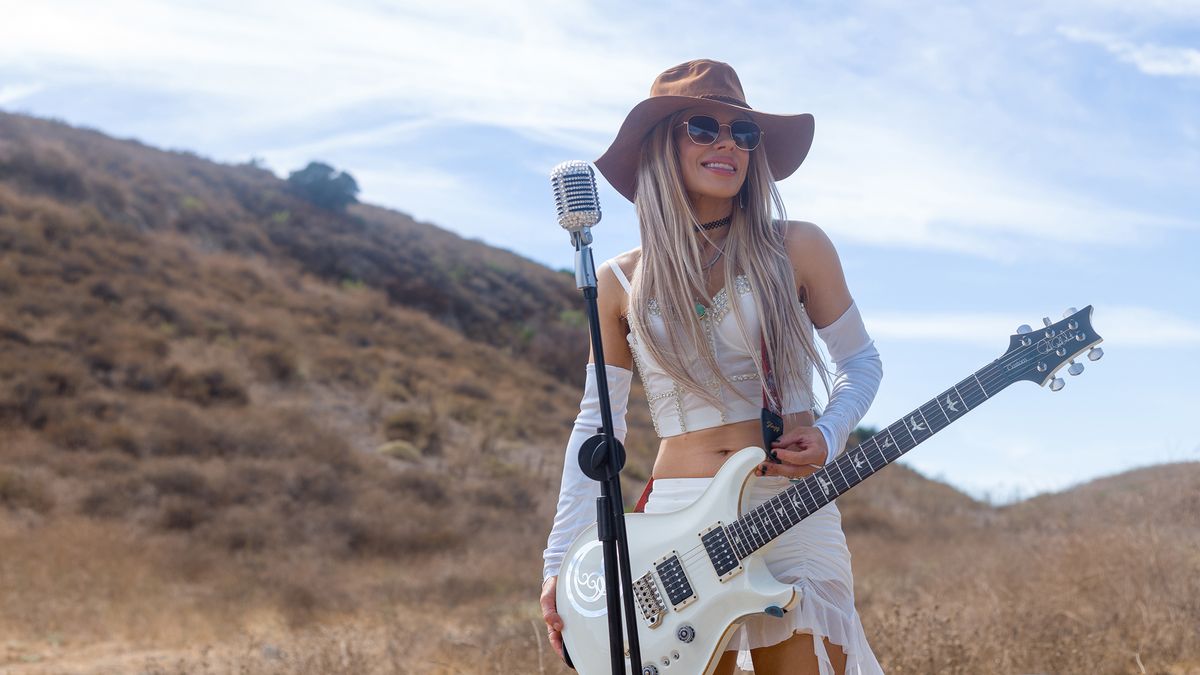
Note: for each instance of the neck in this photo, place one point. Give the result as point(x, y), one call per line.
point(708, 209)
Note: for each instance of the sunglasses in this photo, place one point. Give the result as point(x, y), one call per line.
point(704, 130)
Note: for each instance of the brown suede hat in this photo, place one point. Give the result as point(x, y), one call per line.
point(786, 138)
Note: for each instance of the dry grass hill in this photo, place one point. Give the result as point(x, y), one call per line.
point(240, 433)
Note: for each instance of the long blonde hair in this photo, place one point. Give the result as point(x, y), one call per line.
point(671, 273)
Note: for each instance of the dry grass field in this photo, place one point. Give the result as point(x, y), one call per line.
point(240, 434)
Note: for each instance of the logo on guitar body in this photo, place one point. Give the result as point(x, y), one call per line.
point(585, 581)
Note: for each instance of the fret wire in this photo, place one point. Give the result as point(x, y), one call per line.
point(759, 527)
point(840, 463)
point(938, 424)
point(739, 538)
point(928, 426)
point(809, 504)
point(772, 526)
point(981, 387)
point(961, 399)
point(787, 499)
point(939, 405)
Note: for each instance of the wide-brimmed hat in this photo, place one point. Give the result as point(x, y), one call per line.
point(786, 138)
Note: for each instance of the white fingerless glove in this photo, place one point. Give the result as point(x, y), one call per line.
point(856, 378)
point(577, 493)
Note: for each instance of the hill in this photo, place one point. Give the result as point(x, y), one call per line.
point(243, 433)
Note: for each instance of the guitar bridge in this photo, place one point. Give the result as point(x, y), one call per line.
point(649, 600)
point(675, 581)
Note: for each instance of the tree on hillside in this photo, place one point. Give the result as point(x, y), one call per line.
point(321, 185)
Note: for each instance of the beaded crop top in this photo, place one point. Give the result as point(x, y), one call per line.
point(676, 411)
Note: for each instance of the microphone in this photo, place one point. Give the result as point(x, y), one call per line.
point(575, 196)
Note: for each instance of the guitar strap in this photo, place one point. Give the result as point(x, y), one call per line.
point(772, 421)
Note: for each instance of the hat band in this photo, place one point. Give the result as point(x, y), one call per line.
point(725, 99)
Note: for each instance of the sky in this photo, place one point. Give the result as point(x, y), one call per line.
point(977, 165)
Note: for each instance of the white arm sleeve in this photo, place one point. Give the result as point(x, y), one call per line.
point(858, 373)
point(577, 494)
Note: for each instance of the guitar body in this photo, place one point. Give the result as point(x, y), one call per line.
point(718, 606)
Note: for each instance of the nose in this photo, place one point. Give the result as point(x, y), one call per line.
point(724, 133)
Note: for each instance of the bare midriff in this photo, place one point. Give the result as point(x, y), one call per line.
point(700, 454)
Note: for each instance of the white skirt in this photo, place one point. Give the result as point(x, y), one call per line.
point(812, 556)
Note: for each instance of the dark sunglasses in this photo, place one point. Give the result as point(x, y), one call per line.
point(704, 130)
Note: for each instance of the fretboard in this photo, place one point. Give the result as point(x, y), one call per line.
point(764, 523)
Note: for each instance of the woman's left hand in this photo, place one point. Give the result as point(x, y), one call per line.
point(802, 452)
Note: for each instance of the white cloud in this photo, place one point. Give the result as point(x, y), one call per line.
point(15, 92)
point(1126, 326)
point(1150, 58)
point(911, 151)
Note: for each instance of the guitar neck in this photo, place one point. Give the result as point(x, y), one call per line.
point(806, 496)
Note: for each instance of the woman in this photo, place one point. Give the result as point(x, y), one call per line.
point(717, 281)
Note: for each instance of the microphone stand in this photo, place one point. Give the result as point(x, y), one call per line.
point(601, 458)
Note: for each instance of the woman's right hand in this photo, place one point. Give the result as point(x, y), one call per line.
point(554, 623)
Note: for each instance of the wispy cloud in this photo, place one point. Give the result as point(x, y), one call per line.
point(913, 149)
point(1150, 58)
point(12, 93)
point(1127, 326)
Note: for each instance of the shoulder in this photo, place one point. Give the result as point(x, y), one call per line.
point(628, 261)
point(818, 271)
point(612, 294)
point(805, 242)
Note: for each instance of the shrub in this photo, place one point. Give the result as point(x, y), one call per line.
point(320, 184)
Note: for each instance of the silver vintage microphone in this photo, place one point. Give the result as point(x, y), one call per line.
point(578, 207)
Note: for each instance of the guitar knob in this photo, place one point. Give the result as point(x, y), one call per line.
point(1046, 320)
point(685, 633)
point(1023, 329)
point(649, 669)
point(1075, 368)
point(1069, 312)
point(1095, 353)
point(1057, 384)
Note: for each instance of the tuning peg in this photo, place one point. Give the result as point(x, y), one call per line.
point(1076, 368)
point(1046, 320)
point(1069, 312)
point(1023, 329)
point(1057, 384)
point(1095, 353)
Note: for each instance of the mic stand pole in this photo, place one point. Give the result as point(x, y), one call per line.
point(601, 458)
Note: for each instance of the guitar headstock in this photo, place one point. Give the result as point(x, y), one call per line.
point(1037, 354)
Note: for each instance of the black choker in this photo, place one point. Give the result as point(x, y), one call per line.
point(714, 224)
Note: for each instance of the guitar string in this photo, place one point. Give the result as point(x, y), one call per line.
point(696, 553)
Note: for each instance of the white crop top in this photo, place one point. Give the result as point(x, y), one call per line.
point(674, 410)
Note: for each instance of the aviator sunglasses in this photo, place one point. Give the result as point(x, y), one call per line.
point(704, 130)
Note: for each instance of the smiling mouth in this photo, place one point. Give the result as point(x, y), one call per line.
point(720, 168)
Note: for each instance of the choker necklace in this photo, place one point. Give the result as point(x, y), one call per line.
point(714, 224)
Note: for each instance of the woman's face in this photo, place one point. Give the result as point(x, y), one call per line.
point(714, 171)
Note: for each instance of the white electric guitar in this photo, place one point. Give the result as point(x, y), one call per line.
point(699, 571)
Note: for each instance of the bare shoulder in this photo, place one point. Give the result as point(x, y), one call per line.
point(819, 276)
point(613, 298)
point(628, 261)
point(807, 244)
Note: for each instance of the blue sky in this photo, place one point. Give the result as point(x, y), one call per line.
point(978, 166)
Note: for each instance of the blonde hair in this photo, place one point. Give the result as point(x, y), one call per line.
point(670, 272)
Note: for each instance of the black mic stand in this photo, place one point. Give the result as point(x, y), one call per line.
point(601, 458)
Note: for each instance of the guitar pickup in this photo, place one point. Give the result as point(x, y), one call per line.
point(720, 552)
point(675, 581)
